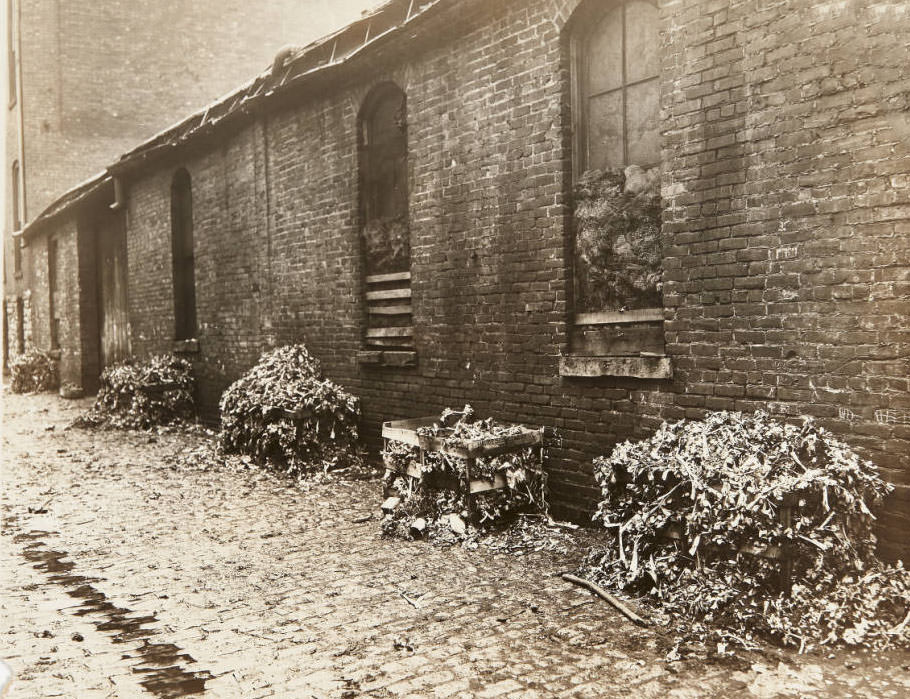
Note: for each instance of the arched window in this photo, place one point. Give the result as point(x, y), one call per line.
point(617, 267)
point(385, 230)
point(617, 68)
point(184, 261)
point(616, 109)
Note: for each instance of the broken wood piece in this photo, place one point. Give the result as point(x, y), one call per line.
point(600, 592)
point(390, 504)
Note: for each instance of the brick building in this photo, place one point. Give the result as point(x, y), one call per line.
point(417, 199)
point(85, 81)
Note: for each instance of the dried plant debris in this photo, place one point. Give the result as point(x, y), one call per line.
point(33, 371)
point(617, 239)
point(438, 495)
point(719, 486)
point(141, 394)
point(286, 413)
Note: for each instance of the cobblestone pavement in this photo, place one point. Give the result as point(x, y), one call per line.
point(127, 571)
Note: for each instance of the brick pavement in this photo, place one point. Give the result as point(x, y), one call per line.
point(178, 576)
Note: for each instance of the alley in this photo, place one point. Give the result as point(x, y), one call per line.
point(134, 564)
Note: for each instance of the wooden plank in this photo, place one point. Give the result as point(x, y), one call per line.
point(403, 343)
point(369, 356)
point(403, 331)
point(637, 315)
point(617, 340)
point(400, 358)
point(388, 294)
point(389, 310)
point(636, 367)
point(393, 277)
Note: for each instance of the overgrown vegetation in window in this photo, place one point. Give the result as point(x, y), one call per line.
point(617, 239)
point(388, 244)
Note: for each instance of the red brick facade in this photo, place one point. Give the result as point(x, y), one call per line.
point(786, 240)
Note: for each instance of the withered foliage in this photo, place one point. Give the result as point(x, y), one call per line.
point(617, 239)
point(285, 412)
point(140, 394)
point(694, 507)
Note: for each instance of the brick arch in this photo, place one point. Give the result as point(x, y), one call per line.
point(563, 11)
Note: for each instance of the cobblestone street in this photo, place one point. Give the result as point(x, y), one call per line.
point(128, 571)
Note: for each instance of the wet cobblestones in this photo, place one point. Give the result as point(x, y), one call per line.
point(175, 577)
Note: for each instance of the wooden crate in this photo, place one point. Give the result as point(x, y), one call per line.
point(406, 431)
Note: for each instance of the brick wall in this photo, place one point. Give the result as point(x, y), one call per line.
point(787, 278)
point(68, 299)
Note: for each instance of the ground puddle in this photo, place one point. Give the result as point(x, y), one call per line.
point(161, 664)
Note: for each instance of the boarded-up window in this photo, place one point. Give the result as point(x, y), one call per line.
point(385, 229)
point(183, 256)
point(616, 66)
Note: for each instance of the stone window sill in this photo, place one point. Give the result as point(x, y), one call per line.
point(641, 367)
point(186, 346)
point(388, 358)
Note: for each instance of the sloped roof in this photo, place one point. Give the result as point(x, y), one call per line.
point(290, 66)
point(80, 193)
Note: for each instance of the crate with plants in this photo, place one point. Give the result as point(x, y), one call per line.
point(448, 475)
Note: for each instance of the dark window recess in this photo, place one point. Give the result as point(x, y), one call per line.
point(385, 230)
point(184, 261)
point(15, 206)
point(52, 285)
point(20, 326)
point(14, 196)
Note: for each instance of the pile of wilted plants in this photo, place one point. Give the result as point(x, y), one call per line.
point(284, 411)
point(140, 394)
point(718, 486)
point(435, 504)
point(33, 371)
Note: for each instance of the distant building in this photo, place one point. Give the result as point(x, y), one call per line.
point(88, 80)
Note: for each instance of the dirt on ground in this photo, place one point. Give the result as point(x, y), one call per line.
point(137, 564)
